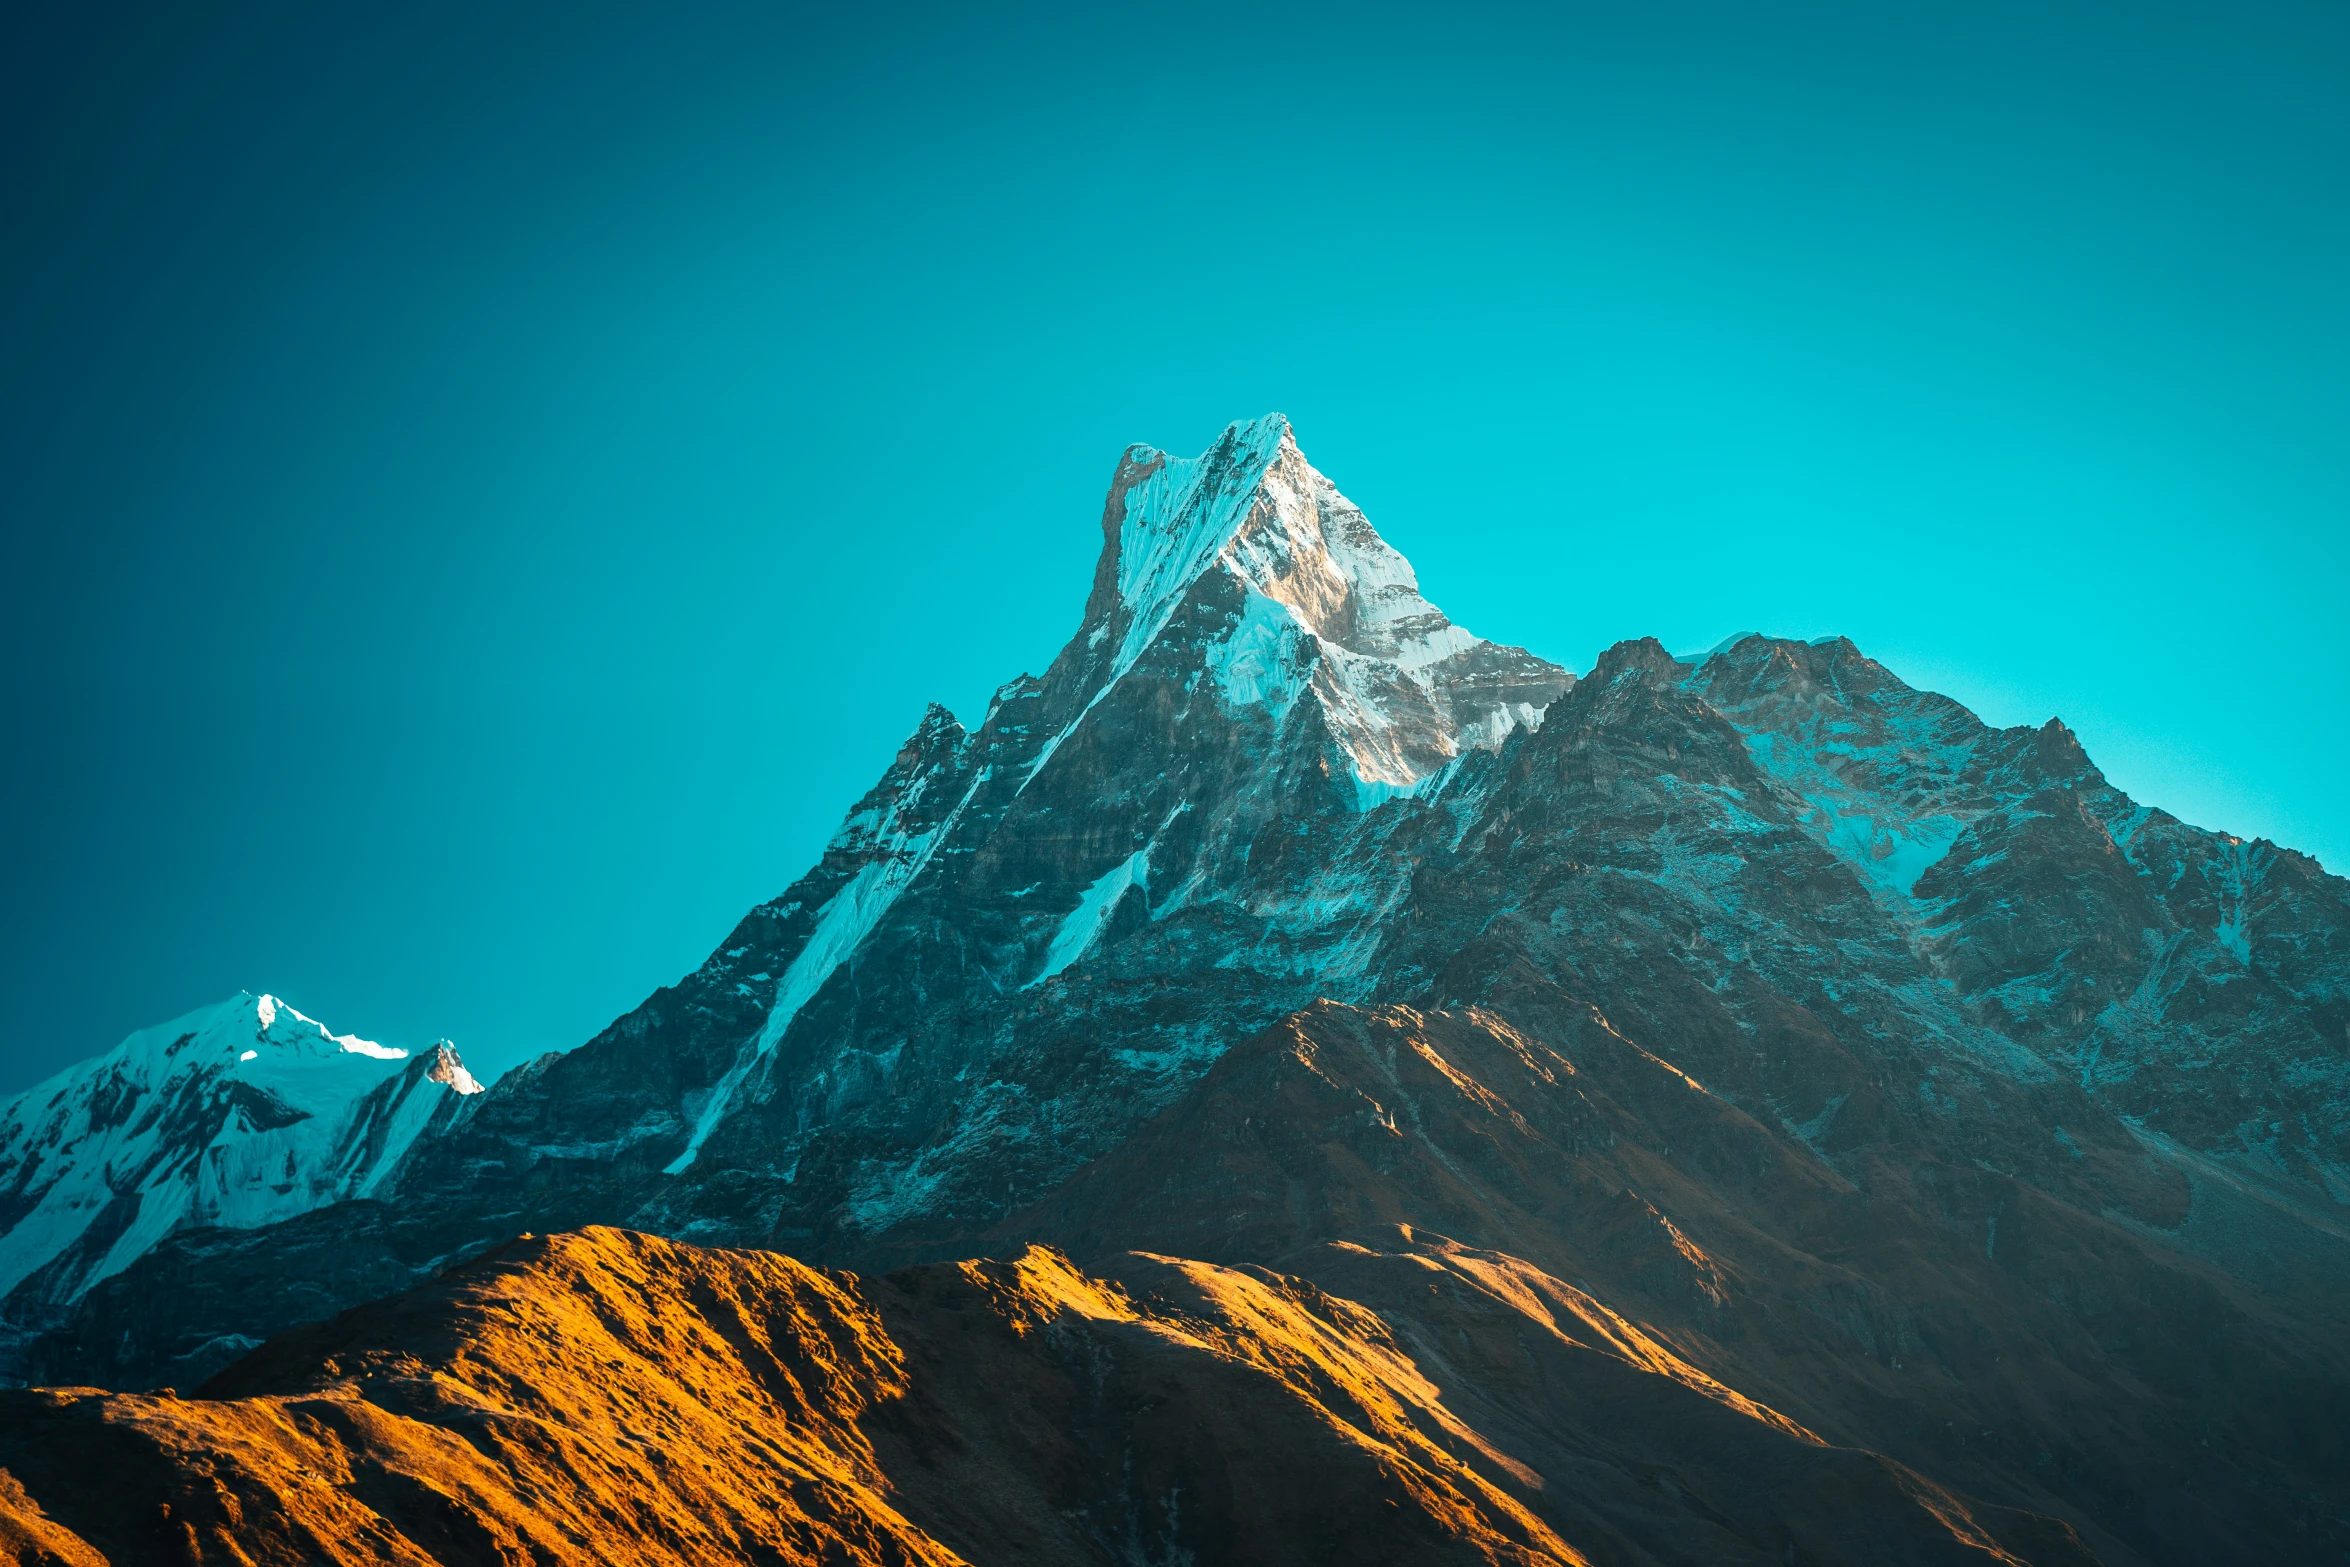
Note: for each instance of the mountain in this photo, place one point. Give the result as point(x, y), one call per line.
point(1893, 1074)
point(236, 1115)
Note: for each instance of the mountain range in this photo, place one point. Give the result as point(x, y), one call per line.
point(1424, 1104)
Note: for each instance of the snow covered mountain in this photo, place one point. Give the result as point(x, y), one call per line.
point(1250, 647)
point(1895, 1069)
point(236, 1115)
point(1325, 607)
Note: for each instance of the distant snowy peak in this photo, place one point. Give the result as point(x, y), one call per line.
point(238, 1114)
point(1328, 607)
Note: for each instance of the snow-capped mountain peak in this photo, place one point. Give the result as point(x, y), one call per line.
point(237, 1114)
point(1169, 519)
point(1246, 625)
point(1324, 606)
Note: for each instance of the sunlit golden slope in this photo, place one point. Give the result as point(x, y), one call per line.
point(606, 1396)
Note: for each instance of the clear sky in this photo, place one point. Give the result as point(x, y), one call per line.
point(483, 488)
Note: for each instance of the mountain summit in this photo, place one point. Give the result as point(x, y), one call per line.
point(1977, 1137)
point(1326, 608)
point(1251, 646)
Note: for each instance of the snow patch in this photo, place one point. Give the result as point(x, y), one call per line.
point(1257, 662)
point(848, 917)
point(1082, 926)
point(1891, 850)
point(2237, 879)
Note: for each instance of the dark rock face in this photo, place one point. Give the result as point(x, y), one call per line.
point(161, 1321)
point(1894, 1074)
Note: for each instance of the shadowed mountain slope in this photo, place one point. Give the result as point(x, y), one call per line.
point(2070, 1367)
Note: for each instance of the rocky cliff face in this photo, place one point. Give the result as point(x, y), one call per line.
point(1891, 1074)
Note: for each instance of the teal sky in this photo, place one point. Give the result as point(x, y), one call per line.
point(481, 493)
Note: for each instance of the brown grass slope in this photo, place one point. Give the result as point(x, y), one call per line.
point(605, 1396)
